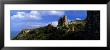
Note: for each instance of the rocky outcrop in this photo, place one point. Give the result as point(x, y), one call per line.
point(63, 21)
point(88, 29)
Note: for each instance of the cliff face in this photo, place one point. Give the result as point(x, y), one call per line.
point(93, 24)
point(93, 21)
point(88, 29)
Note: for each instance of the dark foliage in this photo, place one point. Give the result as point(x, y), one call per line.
point(88, 29)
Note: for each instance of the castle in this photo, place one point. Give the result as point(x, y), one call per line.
point(64, 24)
point(63, 21)
point(75, 25)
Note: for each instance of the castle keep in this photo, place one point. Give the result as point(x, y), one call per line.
point(63, 21)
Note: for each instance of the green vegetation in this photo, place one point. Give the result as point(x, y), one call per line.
point(45, 33)
point(88, 29)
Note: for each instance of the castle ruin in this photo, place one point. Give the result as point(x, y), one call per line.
point(63, 21)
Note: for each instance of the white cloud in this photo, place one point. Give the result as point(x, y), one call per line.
point(19, 15)
point(78, 18)
point(31, 15)
point(69, 20)
point(53, 12)
point(59, 13)
point(36, 14)
point(55, 23)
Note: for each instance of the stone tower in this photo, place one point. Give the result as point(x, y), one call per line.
point(63, 21)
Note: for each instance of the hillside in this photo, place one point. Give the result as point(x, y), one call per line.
point(53, 33)
point(88, 29)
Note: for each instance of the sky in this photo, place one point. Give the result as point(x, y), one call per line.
point(29, 19)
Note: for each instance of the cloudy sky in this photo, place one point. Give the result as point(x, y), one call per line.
point(27, 19)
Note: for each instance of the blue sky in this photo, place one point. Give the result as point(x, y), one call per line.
point(27, 19)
